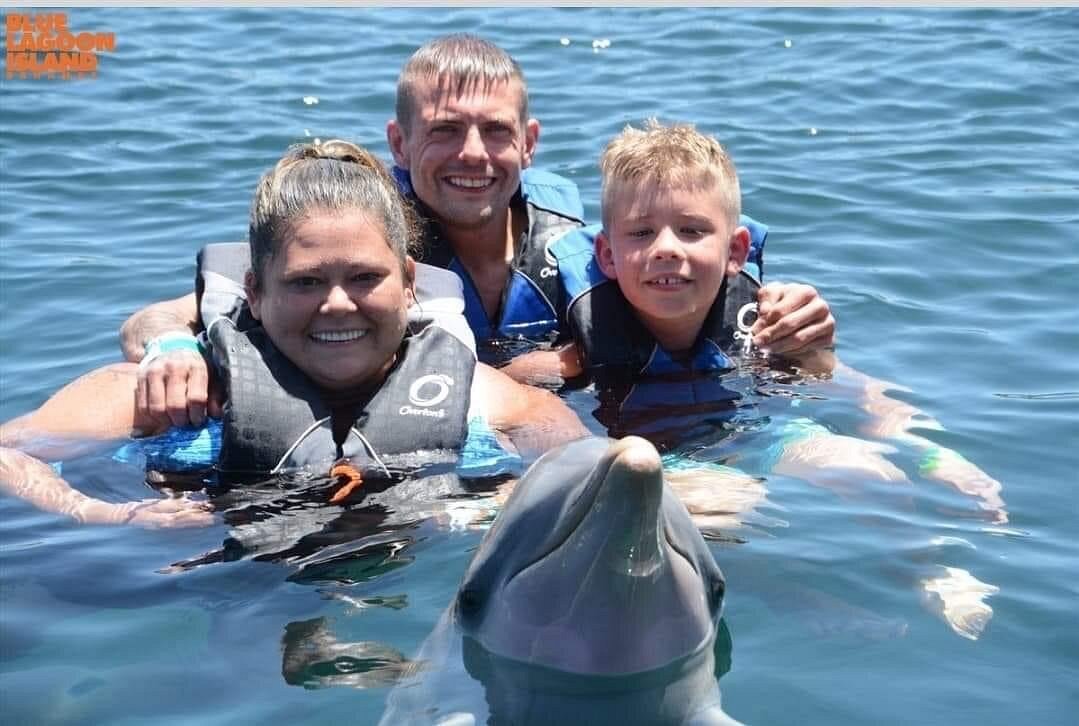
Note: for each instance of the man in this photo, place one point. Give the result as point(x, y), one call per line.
point(462, 140)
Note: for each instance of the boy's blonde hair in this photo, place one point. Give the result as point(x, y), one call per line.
point(676, 156)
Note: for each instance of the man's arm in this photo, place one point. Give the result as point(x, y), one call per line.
point(174, 386)
point(793, 320)
point(168, 316)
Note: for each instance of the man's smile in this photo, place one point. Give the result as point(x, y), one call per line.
point(470, 182)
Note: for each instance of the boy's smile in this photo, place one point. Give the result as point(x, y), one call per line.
point(670, 250)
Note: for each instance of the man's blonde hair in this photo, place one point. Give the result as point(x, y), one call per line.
point(676, 156)
point(462, 62)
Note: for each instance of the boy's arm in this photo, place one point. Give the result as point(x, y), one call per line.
point(894, 419)
point(174, 386)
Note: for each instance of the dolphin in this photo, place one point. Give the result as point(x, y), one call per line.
point(593, 599)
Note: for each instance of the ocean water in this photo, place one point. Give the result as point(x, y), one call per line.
point(919, 167)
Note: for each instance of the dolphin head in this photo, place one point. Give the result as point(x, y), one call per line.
point(593, 567)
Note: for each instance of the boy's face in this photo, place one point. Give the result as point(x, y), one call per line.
point(670, 249)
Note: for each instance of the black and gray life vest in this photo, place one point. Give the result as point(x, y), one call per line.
point(275, 418)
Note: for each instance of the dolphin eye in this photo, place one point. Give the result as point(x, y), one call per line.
point(469, 601)
point(718, 588)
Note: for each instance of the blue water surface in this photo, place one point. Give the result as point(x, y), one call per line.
point(919, 167)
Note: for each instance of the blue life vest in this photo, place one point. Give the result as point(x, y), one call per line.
point(608, 333)
point(531, 306)
point(672, 412)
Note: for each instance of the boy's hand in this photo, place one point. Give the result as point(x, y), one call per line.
point(792, 319)
point(174, 390)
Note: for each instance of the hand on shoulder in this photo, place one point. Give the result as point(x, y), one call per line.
point(174, 389)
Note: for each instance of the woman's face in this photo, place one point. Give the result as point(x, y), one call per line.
point(334, 299)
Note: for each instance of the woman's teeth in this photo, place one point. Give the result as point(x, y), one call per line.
point(338, 336)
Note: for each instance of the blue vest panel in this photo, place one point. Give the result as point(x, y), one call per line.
point(609, 335)
point(531, 306)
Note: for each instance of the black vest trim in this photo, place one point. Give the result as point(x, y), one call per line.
point(535, 294)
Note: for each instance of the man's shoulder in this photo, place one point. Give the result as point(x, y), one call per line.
point(552, 193)
point(574, 254)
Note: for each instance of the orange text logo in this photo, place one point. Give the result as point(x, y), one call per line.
point(41, 44)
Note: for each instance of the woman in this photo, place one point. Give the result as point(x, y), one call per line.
point(319, 363)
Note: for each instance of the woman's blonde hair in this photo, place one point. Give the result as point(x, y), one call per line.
point(329, 175)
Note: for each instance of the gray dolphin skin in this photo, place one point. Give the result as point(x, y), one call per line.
point(593, 599)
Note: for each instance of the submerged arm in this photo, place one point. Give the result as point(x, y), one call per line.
point(895, 419)
point(38, 483)
point(98, 405)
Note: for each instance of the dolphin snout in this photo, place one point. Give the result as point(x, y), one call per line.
point(637, 455)
point(629, 504)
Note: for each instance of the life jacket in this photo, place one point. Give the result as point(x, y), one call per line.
point(609, 335)
point(275, 418)
point(531, 306)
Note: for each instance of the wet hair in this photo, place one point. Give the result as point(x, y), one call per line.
point(328, 176)
point(460, 62)
point(676, 156)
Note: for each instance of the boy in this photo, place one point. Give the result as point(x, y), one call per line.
point(640, 290)
point(659, 298)
point(657, 305)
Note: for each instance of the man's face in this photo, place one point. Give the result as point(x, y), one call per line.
point(669, 249)
point(465, 152)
